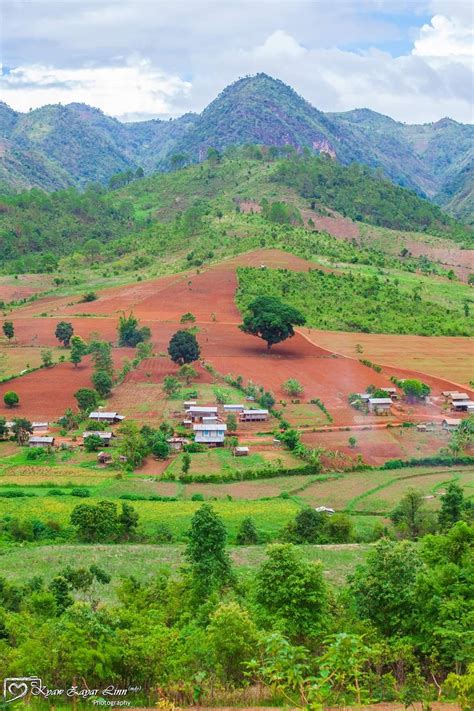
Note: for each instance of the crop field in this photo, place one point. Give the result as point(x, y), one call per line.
point(378, 445)
point(442, 356)
point(210, 296)
point(222, 461)
point(144, 561)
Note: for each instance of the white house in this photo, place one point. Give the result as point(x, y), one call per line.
point(106, 416)
point(451, 423)
point(462, 405)
point(212, 434)
point(197, 412)
point(380, 404)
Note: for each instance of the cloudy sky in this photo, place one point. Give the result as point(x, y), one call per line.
point(134, 59)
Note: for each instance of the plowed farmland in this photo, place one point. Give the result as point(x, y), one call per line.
point(209, 295)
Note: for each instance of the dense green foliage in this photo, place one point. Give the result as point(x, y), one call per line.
point(349, 302)
point(395, 631)
point(183, 348)
point(271, 319)
point(359, 193)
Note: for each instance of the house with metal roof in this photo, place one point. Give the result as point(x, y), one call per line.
point(254, 415)
point(212, 434)
point(197, 412)
point(37, 441)
point(379, 405)
point(111, 417)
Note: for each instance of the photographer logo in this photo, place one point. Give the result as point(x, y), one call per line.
point(17, 687)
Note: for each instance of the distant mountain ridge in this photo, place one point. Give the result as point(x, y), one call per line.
point(56, 146)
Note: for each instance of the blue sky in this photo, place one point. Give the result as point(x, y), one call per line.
point(135, 59)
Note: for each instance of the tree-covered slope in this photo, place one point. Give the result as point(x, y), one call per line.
point(85, 145)
point(348, 302)
point(196, 197)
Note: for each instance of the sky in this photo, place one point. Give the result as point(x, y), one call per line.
point(142, 59)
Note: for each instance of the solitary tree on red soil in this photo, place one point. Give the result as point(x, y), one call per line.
point(271, 319)
point(184, 348)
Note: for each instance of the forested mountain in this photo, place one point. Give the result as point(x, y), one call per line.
point(56, 145)
point(37, 228)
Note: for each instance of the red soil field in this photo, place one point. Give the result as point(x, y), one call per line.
point(335, 225)
point(24, 285)
point(378, 445)
point(47, 393)
point(461, 261)
point(441, 356)
point(160, 303)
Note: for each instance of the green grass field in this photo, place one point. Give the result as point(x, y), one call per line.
point(18, 564)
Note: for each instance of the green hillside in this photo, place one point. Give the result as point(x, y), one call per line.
point(77, 144)
point(348, 302)
point(190, 206)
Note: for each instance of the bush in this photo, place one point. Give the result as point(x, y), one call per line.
point(89, 296)
point(247, 534)
point(292, 387)
point(11, 399)
point(163, 534)
point(81, 492)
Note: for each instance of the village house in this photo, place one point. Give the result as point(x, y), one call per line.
point(39, 426)
point(254, 415)
point(37, 441)
point(189, 403)
point(380, 405)
point(106, 437)
point(195, 413)
point(104, 458)
point(210, 420)
point(110, 417)
point(462, 405)
point(451, 423)
point(177, 443)
point(426, 427)
point(212, 434)
point(233, 408)
point(457, 396)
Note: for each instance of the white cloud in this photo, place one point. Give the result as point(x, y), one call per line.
point(133, 86)
point(193, 48)
point(445, 37)
point(279, 44)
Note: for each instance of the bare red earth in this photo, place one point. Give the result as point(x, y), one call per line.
point(209, 295)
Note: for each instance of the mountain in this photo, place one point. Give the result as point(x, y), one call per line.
point(56, 145)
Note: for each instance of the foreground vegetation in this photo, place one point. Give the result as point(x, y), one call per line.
point(393, 632)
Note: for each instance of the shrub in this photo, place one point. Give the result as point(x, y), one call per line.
point(81, 492)
point(11, 398)
point(247, 534)
point(292, 387)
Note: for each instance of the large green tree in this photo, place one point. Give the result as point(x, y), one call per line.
point(291, 592)
point(210, 564)
point(64, 332)
point(271, 319)
point(129, 331)
point(8, 329)
point(384, 588)
point(87, 399)
point(184, 348)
